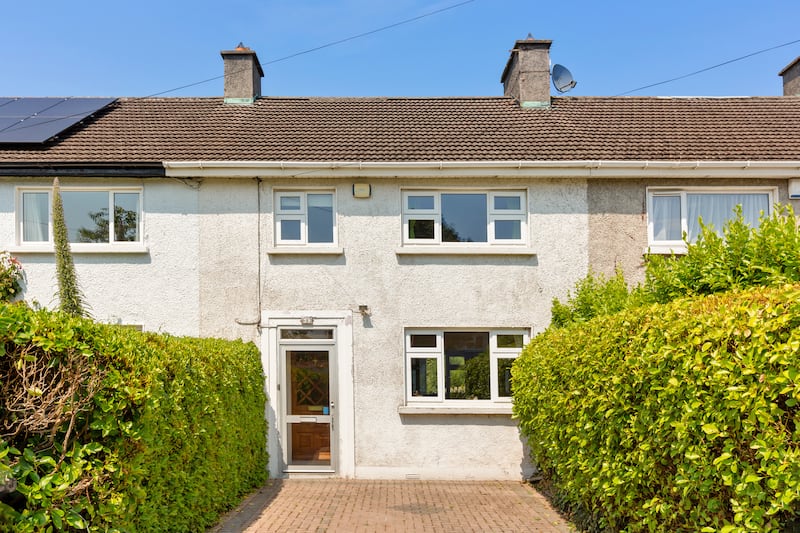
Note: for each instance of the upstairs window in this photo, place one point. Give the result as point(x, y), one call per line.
point(451, 366)
point(675, 212)
point(464, 217)
point(305, 218)
point(104, 216)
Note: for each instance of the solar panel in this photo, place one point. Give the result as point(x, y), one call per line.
point(36, 120)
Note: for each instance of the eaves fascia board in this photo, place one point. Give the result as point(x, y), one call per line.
point(465, 169)
point(94, 170)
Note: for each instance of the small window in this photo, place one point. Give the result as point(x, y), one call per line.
point(464, 217)
point(87, 215)
point(673, 213)
point(458, 366)
point(305, 218)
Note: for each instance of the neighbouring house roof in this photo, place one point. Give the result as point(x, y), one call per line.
point(152, 130)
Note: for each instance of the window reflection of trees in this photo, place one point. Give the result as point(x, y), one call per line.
point(126, 226)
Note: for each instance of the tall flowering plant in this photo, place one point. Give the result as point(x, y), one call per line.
point(11, 277)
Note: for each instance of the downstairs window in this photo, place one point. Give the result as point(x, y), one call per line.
point(461, 365)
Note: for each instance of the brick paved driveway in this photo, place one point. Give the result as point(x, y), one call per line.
point(368, 505)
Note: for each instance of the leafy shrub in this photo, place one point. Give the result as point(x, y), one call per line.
point(594, 295)
point(108, 429)
point(676, 417)
point(742, 257)
point(11, 277)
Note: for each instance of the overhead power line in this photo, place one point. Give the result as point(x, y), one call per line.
point(709, 68)
point(332, 43)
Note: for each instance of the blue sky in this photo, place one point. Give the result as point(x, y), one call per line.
point(144, 47)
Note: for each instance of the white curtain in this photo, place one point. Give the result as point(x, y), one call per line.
point(35, 216)
point(717, 209)
point(667, 218)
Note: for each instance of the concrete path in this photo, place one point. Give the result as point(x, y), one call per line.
point(370, 505)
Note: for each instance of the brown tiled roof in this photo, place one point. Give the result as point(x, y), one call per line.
point(151, 130)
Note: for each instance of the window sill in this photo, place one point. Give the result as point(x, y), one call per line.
point(84, 249)
point(306, 250)
point(437, 249)
point(665, 249)
point(503, 410)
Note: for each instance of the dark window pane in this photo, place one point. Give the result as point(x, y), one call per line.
point(509, 341)
point(420, 202)
point(507, 202)
point(467, 374)
point(306, 334)
point(290, 230)
point(320, 218)
point(504, 377)
point(421, 229)
point(86, 215)
point(423, 341)
point(424, 380)
point(507, 229)
point(126, 216)
point(290, 203)
point(464, 218)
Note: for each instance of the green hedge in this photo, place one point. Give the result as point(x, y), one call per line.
point(676, 417)
point(154, 433)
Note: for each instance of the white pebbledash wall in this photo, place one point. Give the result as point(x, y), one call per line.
point(157, 289)
point(442, 291)
point(208, 247)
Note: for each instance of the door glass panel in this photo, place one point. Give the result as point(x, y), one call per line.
point(306, 334)
point(309, 387)
point(311, 444)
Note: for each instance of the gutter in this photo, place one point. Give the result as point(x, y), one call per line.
point(464, 169)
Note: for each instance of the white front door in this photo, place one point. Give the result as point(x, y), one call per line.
point(310, 400)
point(308, 361)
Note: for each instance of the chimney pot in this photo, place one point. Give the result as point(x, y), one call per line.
point(243, 75)
point(526, 77)
point(791, 78)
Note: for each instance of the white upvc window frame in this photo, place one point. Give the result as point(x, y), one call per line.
point(495, 354)
point(679, 246)
point(301, 215)
point(47, 244)
point(493, 215)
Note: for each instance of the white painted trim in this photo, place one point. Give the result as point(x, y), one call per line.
point(270, 358)
point(417, 409)
point(300, 249)
point(679, 247)
point(467, 169)
point(444, 249)
point(79, 248)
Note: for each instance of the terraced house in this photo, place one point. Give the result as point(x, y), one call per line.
point(390, 256)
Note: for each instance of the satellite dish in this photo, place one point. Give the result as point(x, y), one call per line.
point(562, 79)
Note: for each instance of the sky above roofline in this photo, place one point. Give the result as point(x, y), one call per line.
point(94, 48)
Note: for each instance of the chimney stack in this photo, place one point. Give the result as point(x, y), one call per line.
point(526, 77)
point(791, 78)
point(242, 75)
